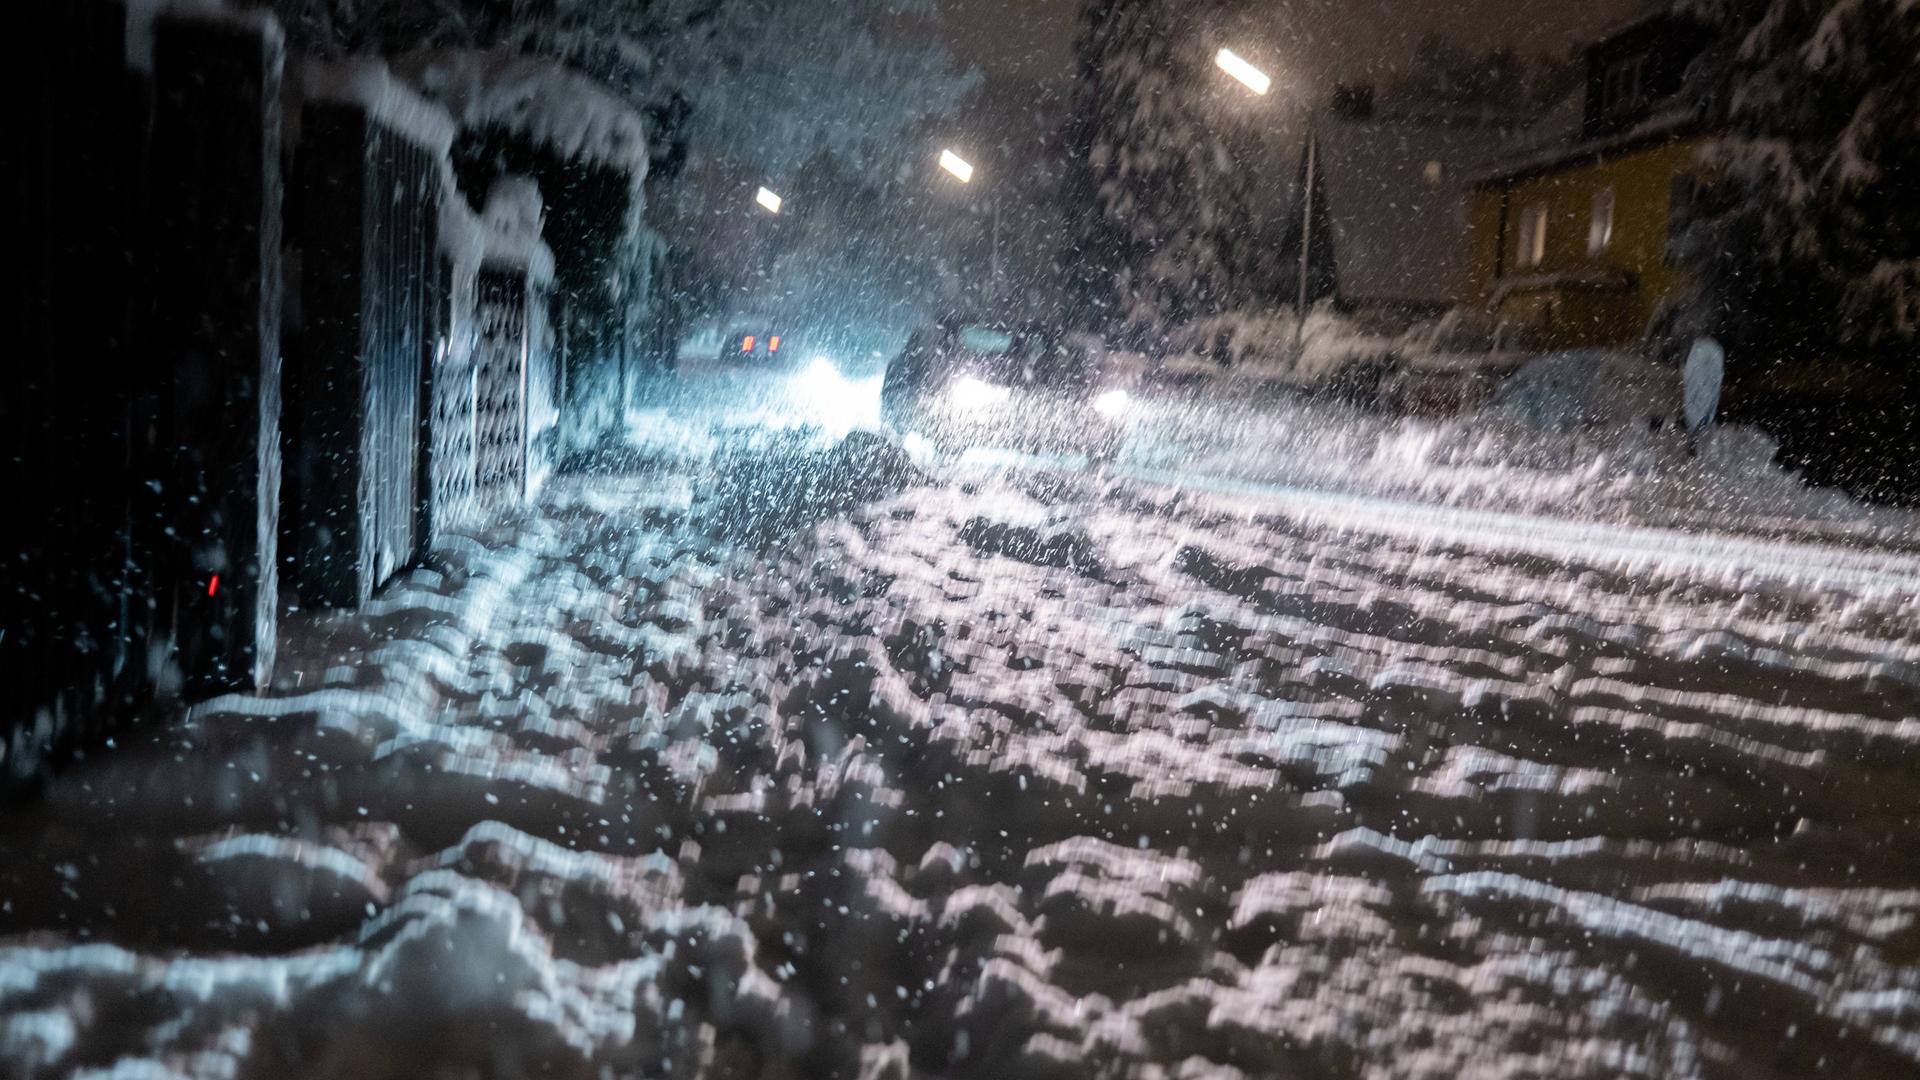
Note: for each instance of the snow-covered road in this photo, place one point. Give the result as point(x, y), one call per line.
point(1731, 559)
point(778, 761)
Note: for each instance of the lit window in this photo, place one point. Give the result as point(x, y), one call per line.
point(1533, 235)
point(746, 344)
point(1600, 226)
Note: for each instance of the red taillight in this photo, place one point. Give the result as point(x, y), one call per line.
point(773, 343)
point(214, 585)
point(746, 344)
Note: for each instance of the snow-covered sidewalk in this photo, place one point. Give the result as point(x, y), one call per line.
point(821, 770)
point(1232, 430)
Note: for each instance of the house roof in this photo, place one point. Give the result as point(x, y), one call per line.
point(1565, 135)
point(1396, 198)
point(1651, 11)
point(1667, 124)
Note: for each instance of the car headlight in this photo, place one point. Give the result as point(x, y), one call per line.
point(1113, 404)
point(971, 393)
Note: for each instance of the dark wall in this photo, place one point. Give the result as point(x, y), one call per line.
point(215, 332)
point(69, 654)
point(1669, 45)
point(137, 428)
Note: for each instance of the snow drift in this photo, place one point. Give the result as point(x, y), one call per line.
point(1029, 776)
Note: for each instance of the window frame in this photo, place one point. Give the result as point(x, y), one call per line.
point(1602, 217)
point(1683, 197)
point(1532, 237)
point(1623, 87)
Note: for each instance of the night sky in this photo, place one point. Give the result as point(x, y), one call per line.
point(1330, 39)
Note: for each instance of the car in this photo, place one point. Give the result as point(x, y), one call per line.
point(1454, 365)
point(1027, 387)
point(755, 341)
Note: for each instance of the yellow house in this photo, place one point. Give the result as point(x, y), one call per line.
point(1573, 241)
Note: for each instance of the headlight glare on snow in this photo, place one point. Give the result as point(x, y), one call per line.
point(822, 394)
point(973, 394)
point(821, 374)
point(1112, 404)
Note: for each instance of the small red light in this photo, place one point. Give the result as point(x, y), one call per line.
point(746, 344)
point(214, 585)
point(773, 343)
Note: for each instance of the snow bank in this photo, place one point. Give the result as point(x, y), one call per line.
point(1591, 437)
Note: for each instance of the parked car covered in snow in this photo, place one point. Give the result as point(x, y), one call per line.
point(1013, 386)
point(1581, 388)
point(1453, 365)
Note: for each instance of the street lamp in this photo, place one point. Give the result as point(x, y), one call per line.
point(962, 170)
point(768, 201)
point(1260, 82)
point(957, 165)
point(1251, 77)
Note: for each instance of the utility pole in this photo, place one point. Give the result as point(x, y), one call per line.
point(962, 170)
point(999, 292)
point(1306, 237)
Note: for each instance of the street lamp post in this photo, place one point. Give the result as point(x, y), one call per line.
point(1260, 83)
point(993, 259)
point(962, 170)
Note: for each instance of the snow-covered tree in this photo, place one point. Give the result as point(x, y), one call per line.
point(1164, 231)
point(1805, 239)
point(1446, 75)
point(767, 83)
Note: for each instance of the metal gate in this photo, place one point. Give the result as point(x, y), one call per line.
point(367, 229)
point(450, 397)
point(401, 205)
point(500, 404)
